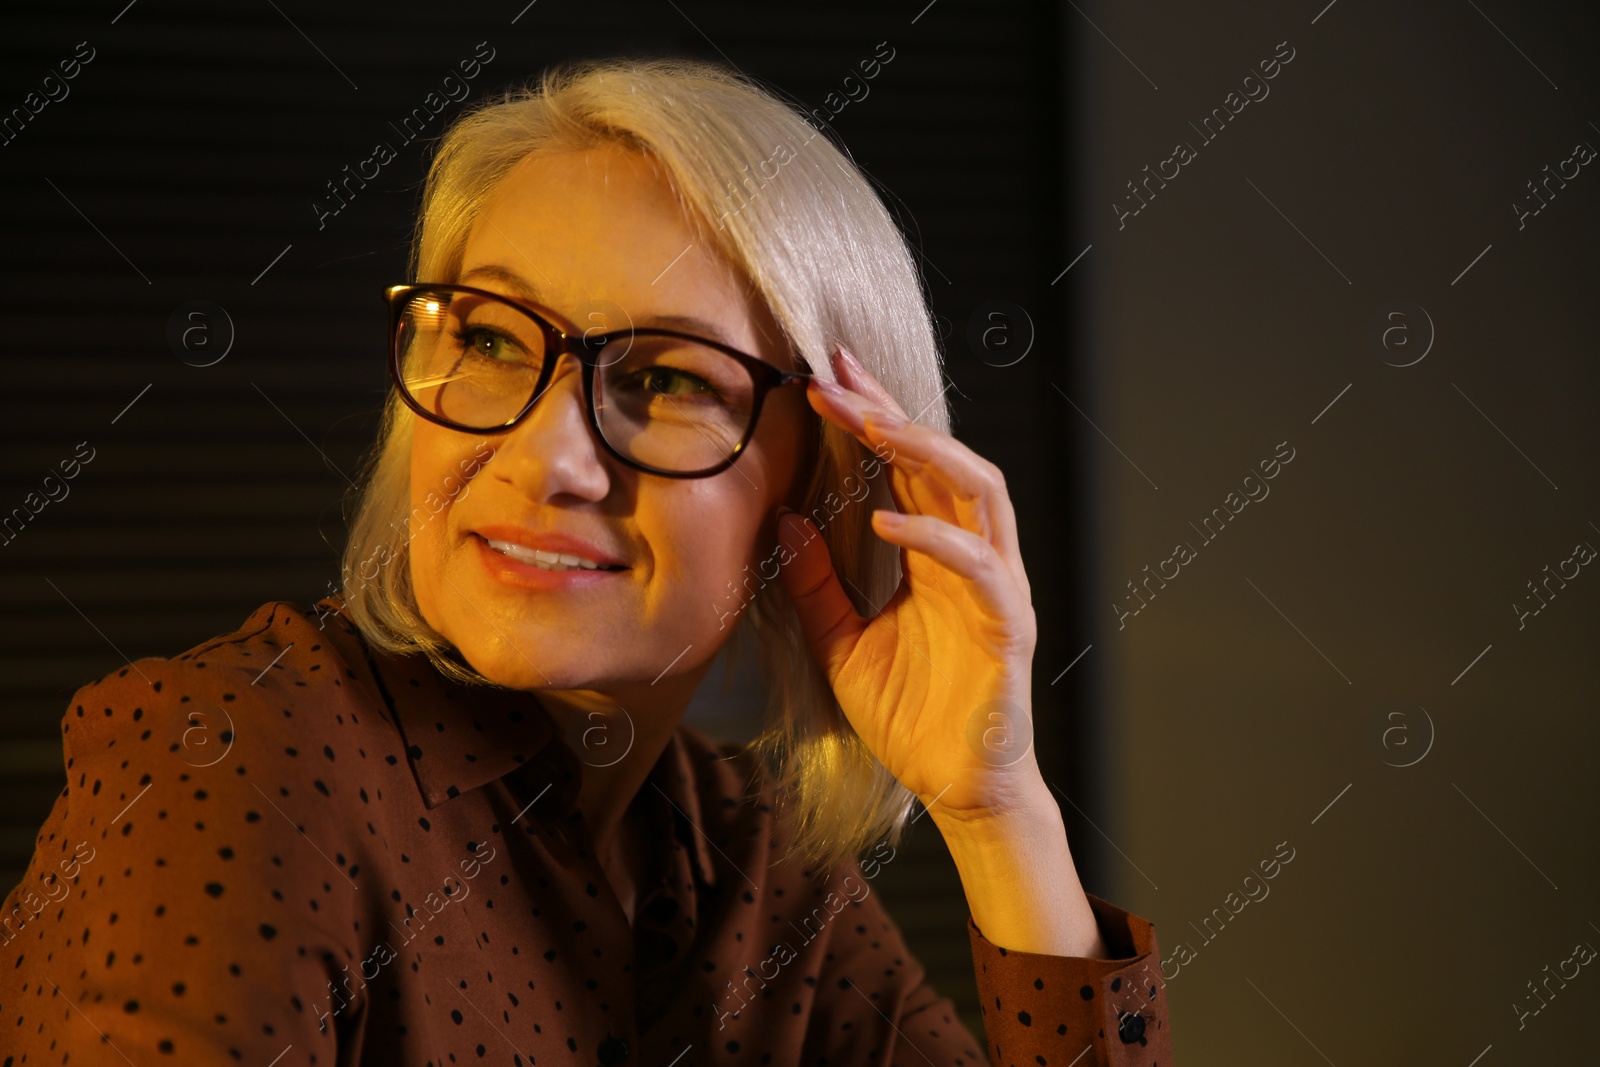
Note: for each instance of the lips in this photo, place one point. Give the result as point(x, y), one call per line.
point(550, 561)
point(547, 549)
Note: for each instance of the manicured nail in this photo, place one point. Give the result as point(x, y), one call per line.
point(849, 357)
point(886, 419)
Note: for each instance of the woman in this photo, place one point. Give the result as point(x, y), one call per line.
point(452, 812)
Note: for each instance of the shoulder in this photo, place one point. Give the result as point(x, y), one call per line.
point(258, 651)
point(214, 802)
point(253, 763)
point(273, 705)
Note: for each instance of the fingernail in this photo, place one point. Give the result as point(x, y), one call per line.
point(888, 420)
point(849, 357)
point(830, 388)
point(784, 509)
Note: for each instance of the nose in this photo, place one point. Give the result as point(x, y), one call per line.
point(553, 452)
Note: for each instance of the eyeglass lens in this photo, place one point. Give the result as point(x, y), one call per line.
point(666, 402)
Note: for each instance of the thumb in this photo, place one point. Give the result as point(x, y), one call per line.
point(828, 618)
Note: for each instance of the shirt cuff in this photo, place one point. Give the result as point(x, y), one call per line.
point(1070, 1009)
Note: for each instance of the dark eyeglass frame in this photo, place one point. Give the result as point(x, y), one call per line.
point(586, 349)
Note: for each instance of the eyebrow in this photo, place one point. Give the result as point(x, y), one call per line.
point(525, 289)
point(506, 277)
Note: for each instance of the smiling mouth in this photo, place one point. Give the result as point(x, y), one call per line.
point(547, 561)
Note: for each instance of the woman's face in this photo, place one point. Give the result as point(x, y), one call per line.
point(572, 231)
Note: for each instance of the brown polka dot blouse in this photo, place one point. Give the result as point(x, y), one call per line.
point(283, 847)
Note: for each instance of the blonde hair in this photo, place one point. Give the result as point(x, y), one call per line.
point(761, 185)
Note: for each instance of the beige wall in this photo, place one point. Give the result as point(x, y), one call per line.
point(1257, 686)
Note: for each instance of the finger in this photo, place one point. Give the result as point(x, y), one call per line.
point(839, 405)
point(828, 618)
point(853, 376)
point(966, 555)
point(920, 456)
point(956, 467)
point(976, 486)
point(845, 409)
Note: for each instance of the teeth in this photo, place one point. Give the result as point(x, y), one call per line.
point(548, 561)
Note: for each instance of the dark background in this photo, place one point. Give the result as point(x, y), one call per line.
point(1308, 679)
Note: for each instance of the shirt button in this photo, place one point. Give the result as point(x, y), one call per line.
point(613, 1050)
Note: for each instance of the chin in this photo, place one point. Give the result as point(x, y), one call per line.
point(522, 666)
point(553, 658)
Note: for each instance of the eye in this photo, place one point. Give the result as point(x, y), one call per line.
point(486, 342)
point(669, 381)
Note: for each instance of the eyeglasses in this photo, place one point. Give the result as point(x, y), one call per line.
point(663, 401)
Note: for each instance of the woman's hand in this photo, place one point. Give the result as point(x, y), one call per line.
point(937, 683)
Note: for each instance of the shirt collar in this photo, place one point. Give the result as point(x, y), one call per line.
point(672, 784)
point(459, 737)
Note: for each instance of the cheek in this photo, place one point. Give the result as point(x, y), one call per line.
point(708, 538)
point(436, 481)
point(434, 462)
point(719, 530)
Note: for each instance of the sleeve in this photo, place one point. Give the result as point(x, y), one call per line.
point(875, 1004)
point(1072, 1010)
point(173, 909)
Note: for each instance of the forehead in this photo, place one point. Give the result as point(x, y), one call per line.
point(600, 231)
